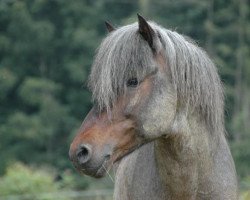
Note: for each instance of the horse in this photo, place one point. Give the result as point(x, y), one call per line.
point(157, 118)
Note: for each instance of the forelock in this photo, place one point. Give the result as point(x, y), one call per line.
point(123, 54)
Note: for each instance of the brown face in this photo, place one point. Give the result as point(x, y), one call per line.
point(103, 140)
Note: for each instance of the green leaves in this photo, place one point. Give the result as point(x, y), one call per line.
point(20, 179)
point(7, 82)
point(34, 91)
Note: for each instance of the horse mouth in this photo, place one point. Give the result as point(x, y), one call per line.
point(103, 169)
point(107, 164)
point(96, 172)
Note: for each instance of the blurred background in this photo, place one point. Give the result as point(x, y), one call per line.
point(46, 50)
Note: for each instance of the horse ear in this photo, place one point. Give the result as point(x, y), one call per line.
point(109, 27)
point(145, 30)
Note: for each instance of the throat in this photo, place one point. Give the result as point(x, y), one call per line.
point(177, 165)
point(137, 176)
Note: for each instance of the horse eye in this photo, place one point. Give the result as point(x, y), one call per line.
point(133, 82)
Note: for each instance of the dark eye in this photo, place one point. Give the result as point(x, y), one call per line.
point(132, 82)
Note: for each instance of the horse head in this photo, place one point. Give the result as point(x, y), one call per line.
point(134, 100)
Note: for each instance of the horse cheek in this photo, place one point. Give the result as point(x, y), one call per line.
point(159, 114)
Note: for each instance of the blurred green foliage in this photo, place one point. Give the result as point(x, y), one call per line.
point(46, 50)
point(20, 179)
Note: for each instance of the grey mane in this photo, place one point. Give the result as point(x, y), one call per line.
point(125, 54)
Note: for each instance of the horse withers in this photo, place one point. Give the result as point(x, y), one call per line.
point(157, 116)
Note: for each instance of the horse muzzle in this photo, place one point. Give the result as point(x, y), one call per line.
point(89, 161)
point(100, 143)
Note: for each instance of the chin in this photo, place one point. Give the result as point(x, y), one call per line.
point(95, 172)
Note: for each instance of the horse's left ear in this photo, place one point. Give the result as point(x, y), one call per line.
point(145, 30)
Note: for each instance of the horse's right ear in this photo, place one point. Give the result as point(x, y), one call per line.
point(109, 27)
point(145, 30)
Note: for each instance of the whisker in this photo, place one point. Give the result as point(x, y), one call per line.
point(107, 172)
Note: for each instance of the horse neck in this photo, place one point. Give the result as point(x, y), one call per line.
point(167, 168)
point(182, 156)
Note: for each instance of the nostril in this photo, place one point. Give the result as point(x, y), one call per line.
point(83, 154)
